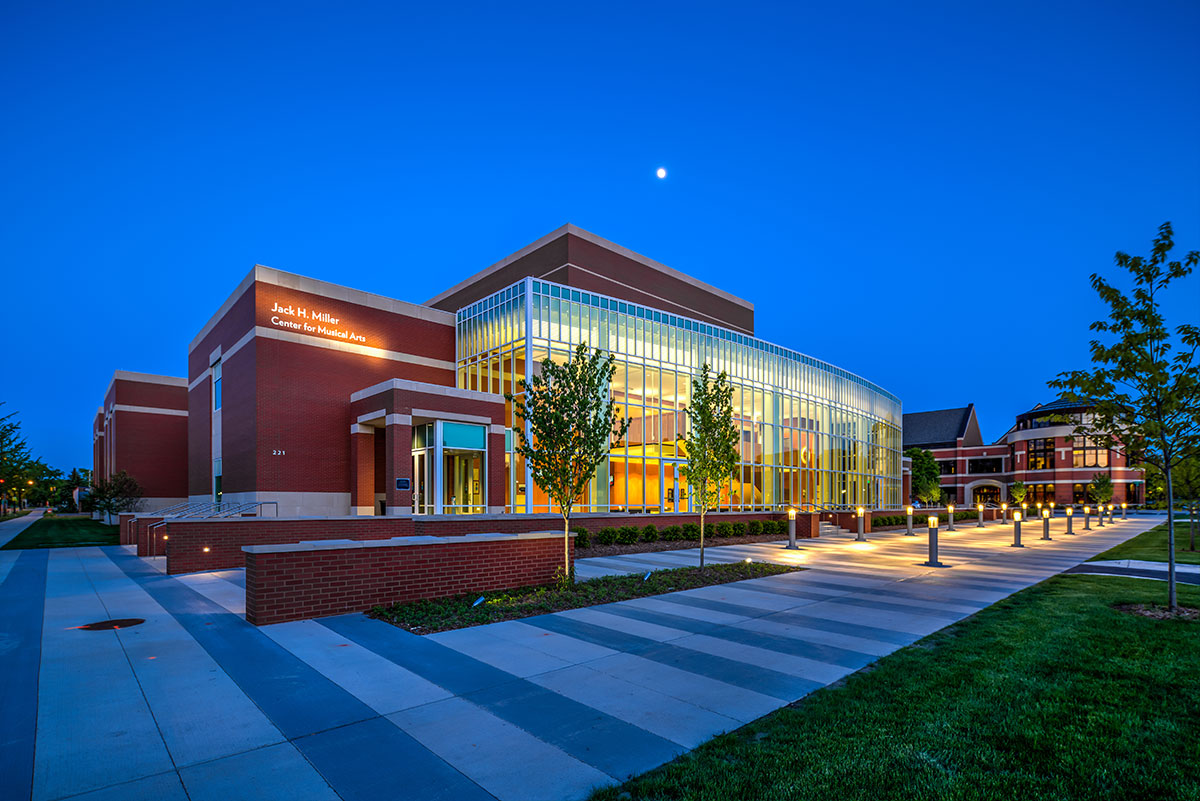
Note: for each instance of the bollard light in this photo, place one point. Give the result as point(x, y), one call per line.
point(1045, 524)
point(933, 543)
point(1004, 513)
point(1100, 516)
point(1051, 508)
point(979, 506)
point(1070, 511)
point(792, 529)
point(1110, 513)
point(908, 510)
point(1016, 543)
point(1087, 518)
point(861, 536)
point(949, 517)
point(1124, 511)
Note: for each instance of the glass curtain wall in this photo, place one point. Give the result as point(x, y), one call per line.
point(811, 434)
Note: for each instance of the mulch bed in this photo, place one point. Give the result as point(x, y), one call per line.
point(1159, 612)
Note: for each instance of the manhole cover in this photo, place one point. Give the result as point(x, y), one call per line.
point(108, 625)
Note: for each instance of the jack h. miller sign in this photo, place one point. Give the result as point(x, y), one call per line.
point(311, 321)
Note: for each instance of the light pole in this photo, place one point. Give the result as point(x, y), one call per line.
point(933, 543)
point(1016, 543)
point(792, 529)
point(1045, 524)
point(1070, 513)
point(862, 537)
point(908, 510)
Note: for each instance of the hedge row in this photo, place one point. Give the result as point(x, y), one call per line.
point(690, 532)
point(922, 519)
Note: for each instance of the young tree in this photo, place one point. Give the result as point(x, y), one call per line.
point(930, 492)
point(14, 456)
point(1144, 388)
point(1101, 488)
point(924, 470)
point(1018, 491)
point(121, 493)
point(572, 422)
point(711, 442)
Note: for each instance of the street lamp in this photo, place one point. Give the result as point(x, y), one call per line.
point(792, 529)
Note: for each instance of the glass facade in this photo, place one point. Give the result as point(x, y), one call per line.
point(812, 435)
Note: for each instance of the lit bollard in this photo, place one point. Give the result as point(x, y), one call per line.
point(1052, 508)
point(1004, 514)
point(1045, 524)
point(1070, 516)
point(862, 537)
point(1039, 508)
point(950, 517)
point(933, 545)
point(792, 530)
point(980, 508)
point(1025, 511)
point(1124, 511)
point(1016, 543)
point(1100, 516)
point(1110, 514)
point(909, 533)
point(1087, 518)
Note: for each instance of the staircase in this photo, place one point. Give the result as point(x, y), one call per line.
point(827, 529)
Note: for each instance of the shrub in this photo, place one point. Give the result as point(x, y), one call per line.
point(628, 535)
point(777, 527)
point(754, 528)
point(739, 529)
point(671, 533)
point(710, 531)
point(607, 536)
point(691, 531)
point(649, 534)
point(724, 530)
point(582, 538)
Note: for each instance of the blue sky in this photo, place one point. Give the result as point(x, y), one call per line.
point(915, 192)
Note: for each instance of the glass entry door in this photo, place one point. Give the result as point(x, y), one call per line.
point(449, 468)
point(675, 488)
point(422, 468)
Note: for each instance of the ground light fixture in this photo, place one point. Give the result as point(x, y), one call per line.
point(1051, 508)
point(1070, 514)
point(979, 506)
point(792, 529)
point(1045, 524)
point(1016, 543)
point(1087, 518)
point(949, 517)
point(1004, 513)
point(933, 543)
point(1100, 516)
point(861, 536)
point(908, 510)
point(1124, 511)
point(1110, 513)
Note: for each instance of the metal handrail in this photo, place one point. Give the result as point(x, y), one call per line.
point(207, 511)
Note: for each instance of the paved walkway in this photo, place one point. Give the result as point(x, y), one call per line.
point(1140, 568)
point(196, 703)
point(9, 529)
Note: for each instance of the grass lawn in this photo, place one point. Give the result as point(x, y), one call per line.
point(1049, 694)
point(64, 532)
point(458, 612)
point(1152, 546)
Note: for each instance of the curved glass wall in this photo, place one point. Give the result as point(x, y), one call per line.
point(812, 434)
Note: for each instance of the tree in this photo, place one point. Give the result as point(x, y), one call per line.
point(711, 442)
point(925, 470)
point(1018, 491)
point(930, 493)
point(14, 456)
point(572, 421)
point(121, 493)
point(1101, 488)
point(1144, 389)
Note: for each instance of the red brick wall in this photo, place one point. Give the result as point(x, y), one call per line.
point(142, 536)
point(125, 528)
point(297, 585)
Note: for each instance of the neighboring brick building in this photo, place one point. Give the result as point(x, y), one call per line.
point(1040, 450)
point(142, 430)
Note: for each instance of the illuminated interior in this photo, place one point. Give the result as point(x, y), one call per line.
point(812, 435)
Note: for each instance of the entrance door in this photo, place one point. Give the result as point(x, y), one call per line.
point(422, 486)
point(675, 494)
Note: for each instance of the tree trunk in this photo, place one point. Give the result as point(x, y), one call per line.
point(567, 548)
point(1171, 604)
point(702, 537)
point(1192, 527)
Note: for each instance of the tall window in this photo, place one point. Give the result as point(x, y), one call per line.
point(1040, 453)
point(948, 467)
point(1039, 493)
point(216, 383)
point(984, 466)
point(1087, 452)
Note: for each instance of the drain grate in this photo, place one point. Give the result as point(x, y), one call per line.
point(109, 625)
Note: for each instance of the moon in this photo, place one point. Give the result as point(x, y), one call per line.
point(661, 172)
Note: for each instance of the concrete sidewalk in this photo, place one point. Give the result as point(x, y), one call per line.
point(196, 703)
point(9, 529)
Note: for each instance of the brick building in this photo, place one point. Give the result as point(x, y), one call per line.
point(1041, 450)
point(142, 430)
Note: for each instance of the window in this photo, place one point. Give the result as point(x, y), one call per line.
point(984, 466)
point(1087, 452)
point(1040, 453)
point(1079, 493)
point(948, 468)
point(216, 384)
point(1039, 493)
point(216, 480)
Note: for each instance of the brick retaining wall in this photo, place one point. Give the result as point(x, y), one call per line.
point(315, 579)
